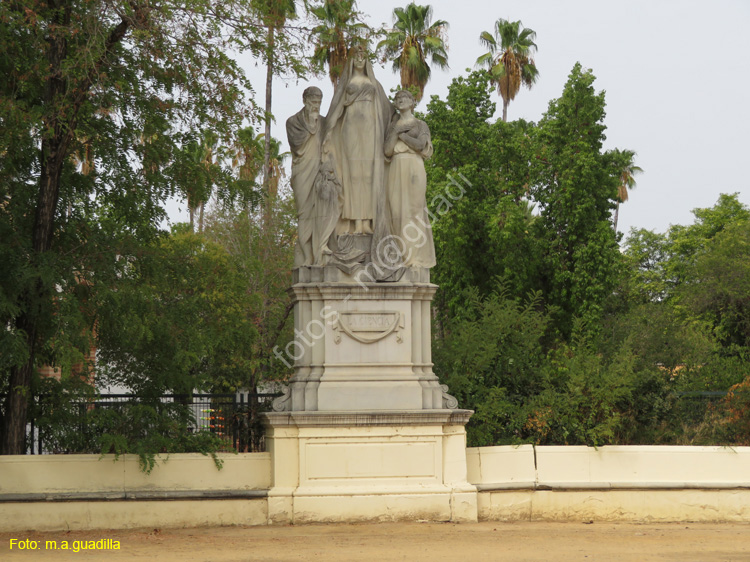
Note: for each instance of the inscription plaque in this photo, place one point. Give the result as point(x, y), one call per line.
point(369, 327)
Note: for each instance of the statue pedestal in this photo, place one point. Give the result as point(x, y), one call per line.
point(361, 345)
point(364, 430)
point(369, 466)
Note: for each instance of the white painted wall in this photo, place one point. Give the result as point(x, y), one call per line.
point(615, 483)
point(610, 467)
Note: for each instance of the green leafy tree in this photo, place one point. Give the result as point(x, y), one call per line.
point(338, 29)
point(686, 243)
point(414, 39)
point(610, 345)
point(195, 312)
point(575, 186)
point(717, 286)
point(490, 358)
point(131, 80)
point(647, 252)
point(509, 59)
point(585, 397)
point(166, 320)
point(498, 361)
point(665, 265)
point(477, 196)
point(262, 251)
point(682, 308)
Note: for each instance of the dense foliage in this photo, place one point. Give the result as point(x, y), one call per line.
point(544, 326)
point(107, 109)
point(200, 311)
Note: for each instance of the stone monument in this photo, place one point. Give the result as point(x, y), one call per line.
point(364, 430)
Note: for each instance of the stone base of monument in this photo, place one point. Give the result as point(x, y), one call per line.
point(362, 345)
point(369, 466)
point(364, 430)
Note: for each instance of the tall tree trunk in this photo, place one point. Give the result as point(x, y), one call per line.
point(505, 110)
point(53, 152)
point(16, 404)
point(267, 136)
point(16, 408)
point(59, 127)
point(617, 214)
point(53, 158)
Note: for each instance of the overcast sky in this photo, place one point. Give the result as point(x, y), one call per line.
point(676, 75)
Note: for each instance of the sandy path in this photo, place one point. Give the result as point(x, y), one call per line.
point(410, 541)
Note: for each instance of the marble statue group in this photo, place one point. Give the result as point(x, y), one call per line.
point(358, 177)
point(364, 426)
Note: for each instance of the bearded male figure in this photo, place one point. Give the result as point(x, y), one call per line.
point(303, 131)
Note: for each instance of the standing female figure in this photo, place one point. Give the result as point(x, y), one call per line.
point(355, 131)
point(408, 145)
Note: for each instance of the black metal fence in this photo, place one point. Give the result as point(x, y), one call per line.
point(74, 424)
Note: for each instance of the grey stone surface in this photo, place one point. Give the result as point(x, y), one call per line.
point(359, 180)
point(364, 419)
point(362, 346)
point(361, 282)
point(358, 276)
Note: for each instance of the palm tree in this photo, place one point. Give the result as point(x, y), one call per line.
point(627, 180)
point(275, 166)
point(337, 31)
point(411, 42)
point(273, 14)
point(199, 163)
point(248, 157)
point(509, 59)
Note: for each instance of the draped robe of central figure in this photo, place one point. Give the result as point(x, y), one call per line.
point(355, 132)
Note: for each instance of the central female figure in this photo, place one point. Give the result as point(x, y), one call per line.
point(357, 120)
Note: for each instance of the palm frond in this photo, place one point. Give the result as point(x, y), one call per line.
point(487, 59)
point(488, 41)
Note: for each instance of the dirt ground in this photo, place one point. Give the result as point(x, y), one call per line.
point(407, 541)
